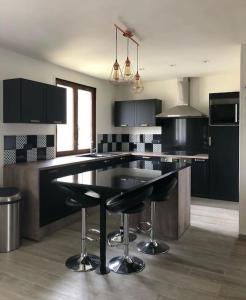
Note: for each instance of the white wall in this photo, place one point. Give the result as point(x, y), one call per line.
point(167, 91)
point(14, 65)
point(242, 146)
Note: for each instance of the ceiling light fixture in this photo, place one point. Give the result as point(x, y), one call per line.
point(116, 73)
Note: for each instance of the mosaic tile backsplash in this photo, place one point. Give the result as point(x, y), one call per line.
point(28, 148)
point(129, 142)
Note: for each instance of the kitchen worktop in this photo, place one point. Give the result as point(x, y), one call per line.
point(124, 176)
point(76, 159)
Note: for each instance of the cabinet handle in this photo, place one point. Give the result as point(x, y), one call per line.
point(199, 159)
point(236, 119)
point(122, 158)
point(57, 122)
point(146, 157)
point(83, 166)
point(35, 121)
point(144, 125)
point(123, 125)
point(106, 161)
point(209, 141)
point(53, 171)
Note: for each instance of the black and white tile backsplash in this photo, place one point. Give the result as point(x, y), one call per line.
point(27, 148)
point(129, 142)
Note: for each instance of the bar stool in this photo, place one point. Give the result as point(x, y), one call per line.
point(81, 198)
point(128, 203)
point(162, 191)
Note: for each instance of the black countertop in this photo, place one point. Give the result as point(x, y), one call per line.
point(125, 176)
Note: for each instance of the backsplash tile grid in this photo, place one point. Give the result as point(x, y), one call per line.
point(28, 148)
point(129, 142)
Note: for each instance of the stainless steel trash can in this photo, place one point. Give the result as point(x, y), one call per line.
point(9, 219)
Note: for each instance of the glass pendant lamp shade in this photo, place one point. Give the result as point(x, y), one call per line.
point(116, 73)
point(127, 71)
point(137, 85)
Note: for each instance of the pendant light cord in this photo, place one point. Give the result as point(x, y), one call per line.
point(127, 47)
point(116, 42)
point(137, 58)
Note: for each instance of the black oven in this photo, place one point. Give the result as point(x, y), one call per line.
point(224, 109)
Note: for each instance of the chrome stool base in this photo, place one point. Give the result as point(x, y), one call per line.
point(85, 263)
point(152, 247)
point(126, 264)
point(116, 237)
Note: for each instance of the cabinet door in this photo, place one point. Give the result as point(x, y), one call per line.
point(145, 113)
point(200, 178)
point(32, 102)
point(224, 162)
point(124, 113)
point(11, 101)
point(55, 105)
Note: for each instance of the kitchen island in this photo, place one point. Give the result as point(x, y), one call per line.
point(124, 177)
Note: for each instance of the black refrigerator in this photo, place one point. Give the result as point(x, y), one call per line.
point(224, 146)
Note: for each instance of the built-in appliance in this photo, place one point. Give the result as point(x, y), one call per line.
point(224, 109)
point(183, 109)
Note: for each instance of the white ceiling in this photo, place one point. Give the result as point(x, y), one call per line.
point(79, 34)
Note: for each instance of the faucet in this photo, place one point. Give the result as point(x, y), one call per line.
point(93, 149)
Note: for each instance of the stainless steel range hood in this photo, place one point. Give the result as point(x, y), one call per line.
point(183, 108)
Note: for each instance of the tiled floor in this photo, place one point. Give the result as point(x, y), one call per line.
point(209, 262)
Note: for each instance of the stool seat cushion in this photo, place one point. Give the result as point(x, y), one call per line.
point(136, 209)
point(163, 189)
point(79, 197)
point(128, 200)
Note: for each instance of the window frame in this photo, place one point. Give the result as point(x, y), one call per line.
point(76, 86)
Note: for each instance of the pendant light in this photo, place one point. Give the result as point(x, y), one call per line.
point(137, 81)
point(116, 73)
point(127, 70)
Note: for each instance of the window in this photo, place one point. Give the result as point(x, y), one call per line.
point(79, 133)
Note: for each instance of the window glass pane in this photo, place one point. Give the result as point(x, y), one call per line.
point(84, 119)
point(65, 132)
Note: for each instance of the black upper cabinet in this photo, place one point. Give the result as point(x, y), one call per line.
point(55, 104)
point(27, 101)
point(32, 99)
point(124, 113)
point(138, 113)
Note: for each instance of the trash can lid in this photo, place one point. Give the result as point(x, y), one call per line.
point(9, 195)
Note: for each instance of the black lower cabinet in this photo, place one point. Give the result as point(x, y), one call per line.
point(52, 200)
point(200, 178)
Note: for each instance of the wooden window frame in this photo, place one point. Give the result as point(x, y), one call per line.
point(75, 87)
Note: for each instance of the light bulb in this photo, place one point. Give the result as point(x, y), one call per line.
point(127, 69)
point(137, 84)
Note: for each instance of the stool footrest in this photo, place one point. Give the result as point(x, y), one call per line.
point(94, 232)
point(144, 227)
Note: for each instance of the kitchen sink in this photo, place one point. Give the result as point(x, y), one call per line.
point(98, 155)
